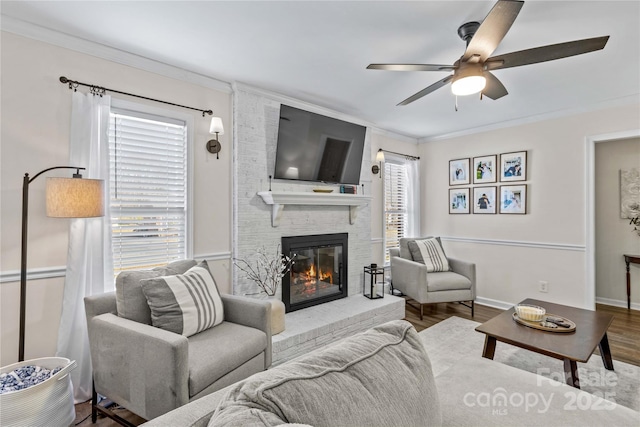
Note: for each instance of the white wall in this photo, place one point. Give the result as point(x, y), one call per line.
point(514, 252)
point(614, 235)
point(35, 133)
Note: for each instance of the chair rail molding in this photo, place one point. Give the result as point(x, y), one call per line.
point(61, 271)
point(519, 243)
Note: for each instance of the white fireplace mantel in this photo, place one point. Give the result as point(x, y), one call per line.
point(278, 200)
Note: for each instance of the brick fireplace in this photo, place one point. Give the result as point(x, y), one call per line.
point(256, 128)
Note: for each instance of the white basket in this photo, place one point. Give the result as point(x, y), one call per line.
point(49, 403)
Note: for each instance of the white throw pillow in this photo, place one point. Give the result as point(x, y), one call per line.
point(186, 303)
point(430, 253)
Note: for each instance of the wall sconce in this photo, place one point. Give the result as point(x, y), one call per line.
point(213, 145)
point(379, 159)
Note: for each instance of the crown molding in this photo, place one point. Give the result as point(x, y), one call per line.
point(610, 103)
point(67, 41)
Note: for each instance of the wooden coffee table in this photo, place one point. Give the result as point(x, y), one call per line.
point(572, 347)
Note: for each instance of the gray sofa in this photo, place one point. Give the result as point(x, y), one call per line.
point(384, 377)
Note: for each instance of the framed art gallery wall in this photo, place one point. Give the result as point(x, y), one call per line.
point(514, 252)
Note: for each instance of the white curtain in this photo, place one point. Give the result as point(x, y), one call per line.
point(413, 197)
point(89, 260)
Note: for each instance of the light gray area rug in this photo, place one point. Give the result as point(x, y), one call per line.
point(455, 338)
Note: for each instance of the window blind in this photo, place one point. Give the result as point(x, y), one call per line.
point(148, 162)
point(395, 202)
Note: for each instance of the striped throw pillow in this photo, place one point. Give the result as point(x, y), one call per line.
point(430, 253)
point(186, 303)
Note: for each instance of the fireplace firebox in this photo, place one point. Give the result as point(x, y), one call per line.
point(319, 273)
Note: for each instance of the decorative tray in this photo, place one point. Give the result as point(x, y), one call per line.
point(323, 190)
point(537, 325)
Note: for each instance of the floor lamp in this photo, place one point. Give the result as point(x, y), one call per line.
point(66, 198)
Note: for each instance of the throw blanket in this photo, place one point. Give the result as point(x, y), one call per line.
point(24, 377)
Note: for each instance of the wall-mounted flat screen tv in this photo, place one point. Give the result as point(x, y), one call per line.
point(312, 147)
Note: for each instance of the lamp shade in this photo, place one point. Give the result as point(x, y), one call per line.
point(380, 156)
point(216, 126)
point(75, 197)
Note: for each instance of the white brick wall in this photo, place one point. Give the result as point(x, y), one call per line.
point(256, 119)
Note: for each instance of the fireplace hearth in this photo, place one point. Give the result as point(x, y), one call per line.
point(319, 273)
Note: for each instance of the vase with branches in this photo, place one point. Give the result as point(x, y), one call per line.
point(266, 269)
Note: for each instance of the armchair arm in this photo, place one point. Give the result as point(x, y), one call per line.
point(250, 312)
point(139, 366)
point(95, 305)
point(409, 277)
point(467, 269)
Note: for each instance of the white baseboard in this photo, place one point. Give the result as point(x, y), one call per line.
point(617, 303)
point(502, 305)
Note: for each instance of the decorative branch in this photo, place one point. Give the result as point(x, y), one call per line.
point(264, 270)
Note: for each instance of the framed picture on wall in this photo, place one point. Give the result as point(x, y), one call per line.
point(458, 200)
point(513, 199)
point(459, 172)
point(513, 166)
point(484, 169)
point(484, 200)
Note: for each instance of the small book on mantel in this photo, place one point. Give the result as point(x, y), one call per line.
point(349, 189)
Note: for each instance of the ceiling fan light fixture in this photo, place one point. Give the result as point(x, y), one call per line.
point(468, 79)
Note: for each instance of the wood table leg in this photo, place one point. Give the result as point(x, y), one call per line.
point(571, 373)
point(605, 352)
point(489, 347)
point(628, 287)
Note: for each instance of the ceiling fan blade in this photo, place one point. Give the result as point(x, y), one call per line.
point(437, 85)
point(411, 67)
point(492, 30)
point(494, 88)
point(545, 53)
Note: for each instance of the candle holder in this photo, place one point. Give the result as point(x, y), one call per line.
point(374, 286)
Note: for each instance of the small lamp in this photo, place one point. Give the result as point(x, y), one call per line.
point(379, 159)
point(66, 198)
point(216, 127)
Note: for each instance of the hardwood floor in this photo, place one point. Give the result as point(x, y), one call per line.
point(624, 340)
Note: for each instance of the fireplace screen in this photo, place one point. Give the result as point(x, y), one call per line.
point(319, 272)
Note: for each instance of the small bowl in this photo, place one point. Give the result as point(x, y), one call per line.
point(532, 313)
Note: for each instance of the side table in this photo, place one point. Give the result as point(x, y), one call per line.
point(630, 259)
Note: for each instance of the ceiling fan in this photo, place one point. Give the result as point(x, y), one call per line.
point(472, 72)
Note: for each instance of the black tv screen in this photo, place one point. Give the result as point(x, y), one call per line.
point(312, 147)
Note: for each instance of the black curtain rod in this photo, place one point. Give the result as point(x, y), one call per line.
point(99, 90)
point(400, 154)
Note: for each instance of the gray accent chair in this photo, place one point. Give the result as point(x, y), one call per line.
point(151, 371)
point(411, 278)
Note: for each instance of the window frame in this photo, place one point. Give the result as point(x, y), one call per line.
point(152, 112)
point(401, 162)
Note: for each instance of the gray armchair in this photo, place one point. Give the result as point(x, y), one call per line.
point(151, 371)
point(411, 278)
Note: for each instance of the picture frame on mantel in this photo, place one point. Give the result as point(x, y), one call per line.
point(459, 200)
point(513, 199)
point(459, 172)
point(513, 166)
